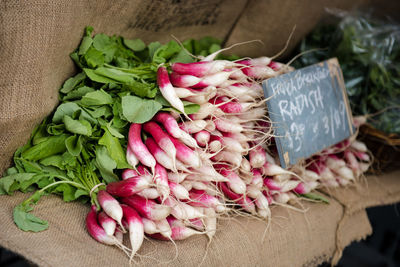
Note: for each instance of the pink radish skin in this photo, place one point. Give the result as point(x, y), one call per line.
point(198, 185)
point(129, 173)
point(177, 177)
point(310, 175)
point(282, 198)
point(224, 125)
point(259, 72)
point(110, 206)
point(178, 233)
point(262, 206)
point(240, 137)
point(252, 191)
point(131, 158)
point(345, 172)
point(167, 90)
point(173, 129)
point(230, 106)
point(244, 201)
point(96, 231)
point(198, 99)
point(139, 149)
point(182, 211)
point(149, 226)
point(210, 127)
point(269, 158)
point(184, 80)
point(321, 169)
point(203, 95)
point(352, 161)
point(188, 140)
point(215, 146)
point(142, 170)
point(230, 144)
point(281, 178)
point(334, 163)
point(202, 68)
point(128, 187)
point(267, 194)
point(215, 79)
point(161, 138)
point(207, 170)
point(260, 61)
point(169, 123)
point(359, 146)
point(147, 208)
point(301, 189)
point(194, 126)
point(236, 74)
point(275, 65)
point(305, 188)
point(261, 202)
point(159, 154)
point(135, 228)
point(202, 138)
point(164, 228)
point(185, 154)
point(161, 180)
point(257, 157)
point(182, 233)
point(289, 185)
point(197, 224)
point(149, 193)
point(269, 169)
point(187, 184)
point(119, 235)
point(108, 224)
point(271, 184)
point(257, 179)
point(230, 157)
point(178, 191)
point(362, 156)
point(235, 183)
point(245, 165)
point(184, 92)
point(205, 178)
point(199, 198)
point(243, 90)
point(174, 222)
point(206, 109)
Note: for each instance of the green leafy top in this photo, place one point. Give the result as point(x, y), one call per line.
point(82, 144)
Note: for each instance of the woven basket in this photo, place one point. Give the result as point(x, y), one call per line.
point(384, 147)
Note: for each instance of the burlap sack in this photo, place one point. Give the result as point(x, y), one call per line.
point(293, 238)
point(36, 38)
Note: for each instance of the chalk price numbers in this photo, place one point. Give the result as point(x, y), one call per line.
point(310, 110)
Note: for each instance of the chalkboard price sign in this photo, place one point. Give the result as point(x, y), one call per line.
point(309, 110)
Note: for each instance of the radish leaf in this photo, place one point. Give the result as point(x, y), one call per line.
point(28, 222)
point(139, 110)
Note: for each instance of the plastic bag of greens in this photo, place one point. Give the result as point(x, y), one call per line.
point(369, 54)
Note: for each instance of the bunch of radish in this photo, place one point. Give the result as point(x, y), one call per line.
point(187, 170)
point(338, 165)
